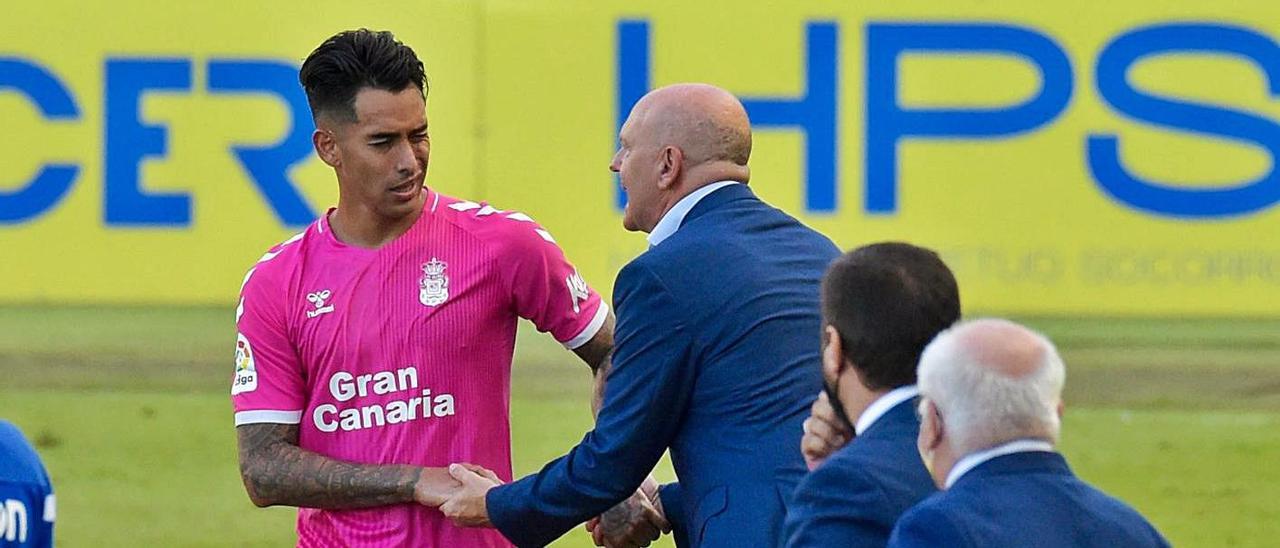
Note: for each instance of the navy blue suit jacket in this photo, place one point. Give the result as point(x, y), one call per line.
point(1024, 499)
point(855, 497)
point(715, 357)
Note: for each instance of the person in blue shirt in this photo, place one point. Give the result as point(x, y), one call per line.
point(991, 408)
point(27, 507)
point(881, 304)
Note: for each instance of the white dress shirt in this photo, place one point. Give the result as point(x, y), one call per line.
point(669, 222)
point(883, 404)
point(971, 461)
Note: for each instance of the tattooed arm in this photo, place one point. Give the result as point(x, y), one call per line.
point(596, 353)
point(278, 472)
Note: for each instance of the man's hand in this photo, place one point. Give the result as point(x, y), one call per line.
point(466, 505)
point(636, 521)
point(434, 487)
point(824, 433)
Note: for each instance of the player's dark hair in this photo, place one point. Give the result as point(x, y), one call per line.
point(354, 59)
point(887, 301)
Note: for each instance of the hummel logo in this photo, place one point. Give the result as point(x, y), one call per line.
point(318, 298)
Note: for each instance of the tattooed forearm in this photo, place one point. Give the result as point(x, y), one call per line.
point(597, 384)
point(597, 354)
point(278, 472)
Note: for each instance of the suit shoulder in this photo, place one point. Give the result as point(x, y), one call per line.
point(843, 469)
point(849, 461)
point(927, 524)
point(646, 270)
point(850, 479)
point(1112, 506)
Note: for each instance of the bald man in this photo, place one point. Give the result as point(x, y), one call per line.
point(991, 406)
point(714, 355)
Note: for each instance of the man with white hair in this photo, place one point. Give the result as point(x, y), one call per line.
point(991, 407)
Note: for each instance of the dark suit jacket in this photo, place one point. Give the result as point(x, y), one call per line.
point(1024, 499)
point(855, 497)
point(715, 357)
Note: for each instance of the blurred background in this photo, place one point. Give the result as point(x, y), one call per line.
point(1104, 171)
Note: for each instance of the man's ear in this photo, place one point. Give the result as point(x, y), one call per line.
point(931, 425)
point(670, 166)
point(832, 352)
point(326, 147)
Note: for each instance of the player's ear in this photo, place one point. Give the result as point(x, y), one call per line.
point(832, 352)
point(326, 144)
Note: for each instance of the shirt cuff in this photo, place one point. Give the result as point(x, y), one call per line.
point(271, 416)
point(591, 329)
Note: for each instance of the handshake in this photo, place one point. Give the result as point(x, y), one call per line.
point(460, 490)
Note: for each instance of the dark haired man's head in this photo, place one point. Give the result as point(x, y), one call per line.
point(352, 60)
point(368, 98)
point(881, 305)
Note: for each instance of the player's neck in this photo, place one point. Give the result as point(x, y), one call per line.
point(361, 227)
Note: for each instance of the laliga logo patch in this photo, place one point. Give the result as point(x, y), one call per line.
point(434, 286)
point(246, 379)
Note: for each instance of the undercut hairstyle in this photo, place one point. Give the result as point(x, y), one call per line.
point(886, 302)
point(353, 60)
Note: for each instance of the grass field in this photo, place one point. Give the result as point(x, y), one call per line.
point(129, 408)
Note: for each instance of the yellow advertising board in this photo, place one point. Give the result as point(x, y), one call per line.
point(1066, 158)
point(154, 151)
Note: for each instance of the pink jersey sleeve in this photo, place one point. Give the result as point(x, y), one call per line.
point(268, 385)
point(548, 289)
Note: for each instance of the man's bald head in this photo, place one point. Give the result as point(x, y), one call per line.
point(1002, 346)
point(707, 123)
point(676, 140)
point(993, 381)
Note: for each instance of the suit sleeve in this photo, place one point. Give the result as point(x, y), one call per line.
point(648, 390)
point(837, 507)
point(925, 527)
point(672, 497)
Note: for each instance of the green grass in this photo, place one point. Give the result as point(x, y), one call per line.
point(130, 411)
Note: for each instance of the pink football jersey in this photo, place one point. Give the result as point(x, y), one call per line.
point(402, 354)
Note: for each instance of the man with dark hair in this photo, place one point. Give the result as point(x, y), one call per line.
point(375, 347)
point(881, 304)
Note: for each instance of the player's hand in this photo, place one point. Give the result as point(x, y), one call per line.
point(434, 487)
point(824, 433)
point(636, 521)
point(466, 505)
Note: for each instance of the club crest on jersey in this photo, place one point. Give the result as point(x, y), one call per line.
point(434, 284)
point(246, 379)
